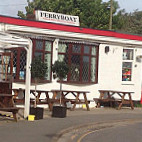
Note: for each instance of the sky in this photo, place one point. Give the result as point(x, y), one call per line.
point(11, 7)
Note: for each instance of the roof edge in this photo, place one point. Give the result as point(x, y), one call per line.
point(67, 28)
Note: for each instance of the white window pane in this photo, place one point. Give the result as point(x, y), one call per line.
point(63, 47)
point(93, 52)
point(127, 54)
point(93, 69)
point(48, 62)
point(48, 46)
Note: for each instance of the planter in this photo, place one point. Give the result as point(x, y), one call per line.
point(59, 111)
point(38, 112)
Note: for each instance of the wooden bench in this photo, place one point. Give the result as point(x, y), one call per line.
point(73, 101)
point(81, 101)
point(107, 96)
point(109, 101)
point(22, 101)
point(7, 105)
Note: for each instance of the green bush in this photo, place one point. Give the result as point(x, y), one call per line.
point(38, 68)
point(60, 70)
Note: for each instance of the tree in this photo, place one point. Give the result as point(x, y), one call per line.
point(92, 13)
point(60, 70)
point(38, 72)
point(133, 23)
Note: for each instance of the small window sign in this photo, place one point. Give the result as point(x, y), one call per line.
point(127, 64)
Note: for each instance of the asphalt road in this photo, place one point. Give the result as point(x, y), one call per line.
point(104, 125)
point(114, 131)
point(126, 133)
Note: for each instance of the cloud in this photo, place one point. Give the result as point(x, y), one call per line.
point(11, 7)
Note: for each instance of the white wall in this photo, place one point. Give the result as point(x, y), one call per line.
point(109, 74)
point(110, 71)
point(110, 65)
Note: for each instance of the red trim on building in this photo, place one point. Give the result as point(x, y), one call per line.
point(51, 26)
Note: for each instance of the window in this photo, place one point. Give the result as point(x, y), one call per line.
point(82, 60)
point(19, 64)
point(128, 55)
point(6, 66)
point(41, 48)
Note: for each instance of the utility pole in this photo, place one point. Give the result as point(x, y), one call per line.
point(110, 19)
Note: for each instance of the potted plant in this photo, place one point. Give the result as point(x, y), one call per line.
point(38, 72)
point(60, 70)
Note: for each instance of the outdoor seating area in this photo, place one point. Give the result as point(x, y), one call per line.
point(53, 97)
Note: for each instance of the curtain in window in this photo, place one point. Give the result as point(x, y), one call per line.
point(48, 62)
point(93, 69)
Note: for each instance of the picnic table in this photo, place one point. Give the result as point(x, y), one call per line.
point(75, 94)
point(108, 96)
point(54, 99)
point(37, 94)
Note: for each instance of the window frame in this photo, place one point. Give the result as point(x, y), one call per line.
point(128, 61)
point(19, 50)
point(82, 54)
point(43, 56)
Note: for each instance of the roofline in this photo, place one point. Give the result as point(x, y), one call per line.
point(52, 26)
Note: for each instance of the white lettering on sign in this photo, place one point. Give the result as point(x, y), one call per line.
point(57, 18)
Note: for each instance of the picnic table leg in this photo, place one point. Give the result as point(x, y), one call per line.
point(101, 97)
point(98, 104)
point(37, 98)
point(53, 97)
point(48, 101)
point(77, 98)
point(86, 102)
point(109, 97)
point(119, 107)
point(63, 98)
point(131, 102)
point(14, 116)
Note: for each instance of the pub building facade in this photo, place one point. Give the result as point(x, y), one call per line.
point(98, 59)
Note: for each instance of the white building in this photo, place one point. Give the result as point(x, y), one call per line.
point(98, 59)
